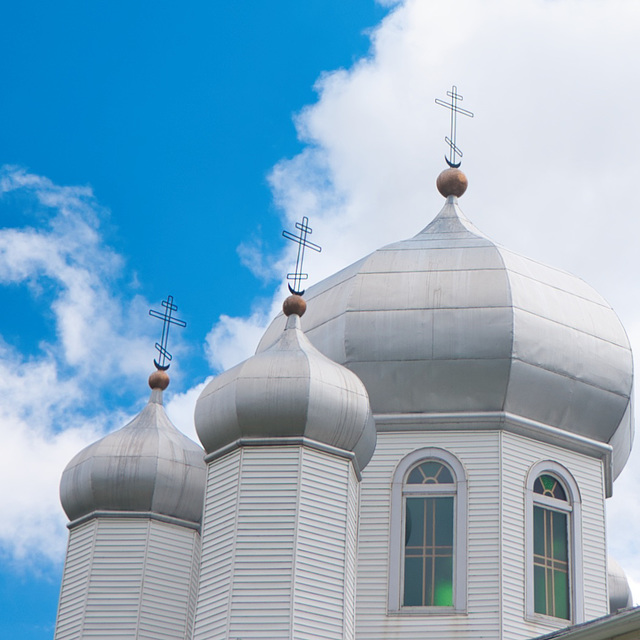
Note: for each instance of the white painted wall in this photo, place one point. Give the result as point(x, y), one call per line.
point(496, 465)
point(278, 558)
point(519, 455)
point(129, 577)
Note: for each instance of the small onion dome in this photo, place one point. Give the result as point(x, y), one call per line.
point(620, 596)
point(290, 390)
point(449, 322)
point(147, 466)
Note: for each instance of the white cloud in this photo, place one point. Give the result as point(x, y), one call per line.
point(181, 407)
point(252, 255)
point(50, 405)
point(31, 462)
point(232, 340)
point(67, 258)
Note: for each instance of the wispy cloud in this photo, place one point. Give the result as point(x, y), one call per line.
point(50, 405)
point(67, 257)
point(253, 256)
point(232, 340)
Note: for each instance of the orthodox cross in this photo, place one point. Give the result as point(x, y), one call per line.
point(455, 110)
point(167, 321)
point(303, 243)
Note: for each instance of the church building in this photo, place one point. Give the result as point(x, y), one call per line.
point(420, 448)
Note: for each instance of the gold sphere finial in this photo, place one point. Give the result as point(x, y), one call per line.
point(452, 182)
point(159, 380)
point(294, 305)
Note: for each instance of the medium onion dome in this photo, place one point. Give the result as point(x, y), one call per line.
point(450, 322)
point(620, 596)
point(147, 466)
point(290, 390)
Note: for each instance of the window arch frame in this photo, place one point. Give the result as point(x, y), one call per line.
point(397, 530)
point(573, 509)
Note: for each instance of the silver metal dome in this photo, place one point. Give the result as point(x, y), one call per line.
point(620, 596)
point(449, 322)
point(288, 391)
point(147, 466)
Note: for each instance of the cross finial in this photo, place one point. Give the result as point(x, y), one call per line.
point(455, 110)
point(303, 243)
point(167, 321)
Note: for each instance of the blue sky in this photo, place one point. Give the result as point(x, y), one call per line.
point(172, 116)
point(151, 149)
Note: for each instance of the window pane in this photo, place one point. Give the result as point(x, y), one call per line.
point(443, 588)
point(428, 582)
point(539, 590)
point(550, 563)
point(415, 523)
point(428, 579)
point(444, 517)
point(430, 526)
point(430, 472)
point(413, 571)
point(548, 486)
point(538, 531)
point(559, 535)
point(561, 594)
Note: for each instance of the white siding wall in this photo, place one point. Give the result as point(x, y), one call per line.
point(278, 521)
point(479, 454)
point(519, 454)
point(75, 580)
point(129, 578)
point(496, 464)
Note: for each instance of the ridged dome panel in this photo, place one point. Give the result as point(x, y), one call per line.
point(146, 466)
point(289, 390)
point(620, 596)
point(448, 321)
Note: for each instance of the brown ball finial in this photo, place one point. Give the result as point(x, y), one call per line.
point(159, 380)
point(452, 182)
point(294, 305)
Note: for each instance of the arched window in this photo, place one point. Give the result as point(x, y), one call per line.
point(428, 533)
point(554, 576)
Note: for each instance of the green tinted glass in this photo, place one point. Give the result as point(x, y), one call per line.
point(559, 533)
point(561, 594)
point(443, 582)
point(550, 563)
point(549, 486)
point(428, 564)
point(413, 576)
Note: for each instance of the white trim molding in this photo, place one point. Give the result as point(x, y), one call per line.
point(573, 507)
point(396, 537)
point(491, 420)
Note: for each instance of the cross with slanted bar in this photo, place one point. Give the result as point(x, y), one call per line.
point(303, 243)
point(455, 110)
point(167, 321)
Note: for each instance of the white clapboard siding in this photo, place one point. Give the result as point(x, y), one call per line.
point(218, 546)
point(496, 464)
point(519, 454)
point(351, 558)
point(479, 454)
point(129, 577)
point(73, 592)
point(274, 558)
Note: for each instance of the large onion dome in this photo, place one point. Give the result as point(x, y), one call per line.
point(450, 322)
point(289, 391)
point(147, 466)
